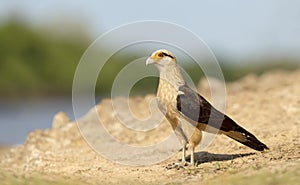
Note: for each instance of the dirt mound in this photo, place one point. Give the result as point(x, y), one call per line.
point(267, 105)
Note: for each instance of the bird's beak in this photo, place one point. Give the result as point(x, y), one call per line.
point(149, 61)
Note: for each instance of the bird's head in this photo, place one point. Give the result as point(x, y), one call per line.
point(161, 58)
point(165, 61)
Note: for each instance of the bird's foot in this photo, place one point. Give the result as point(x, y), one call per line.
point(177, 165)
point(180, 165)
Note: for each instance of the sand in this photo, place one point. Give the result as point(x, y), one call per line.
point(268, 106)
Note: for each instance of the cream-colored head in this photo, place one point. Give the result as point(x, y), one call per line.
point(165, 61)
point(161, 58)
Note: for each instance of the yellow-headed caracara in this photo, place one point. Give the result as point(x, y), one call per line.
point(176, 100)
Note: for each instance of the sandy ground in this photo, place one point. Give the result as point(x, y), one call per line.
point(268, 106)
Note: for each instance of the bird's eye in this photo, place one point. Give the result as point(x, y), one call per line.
point(160, 55)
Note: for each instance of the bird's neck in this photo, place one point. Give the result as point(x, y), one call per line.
point(171, 75)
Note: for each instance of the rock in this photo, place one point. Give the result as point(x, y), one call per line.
point(60, 120)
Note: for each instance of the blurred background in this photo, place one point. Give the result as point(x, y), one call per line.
point(42, 42)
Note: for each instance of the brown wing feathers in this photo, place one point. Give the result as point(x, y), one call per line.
point(241, 135)
point(196, 108)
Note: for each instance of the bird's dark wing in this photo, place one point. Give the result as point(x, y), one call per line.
point(198, 109)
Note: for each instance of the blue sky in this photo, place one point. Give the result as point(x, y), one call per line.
point(231, 28)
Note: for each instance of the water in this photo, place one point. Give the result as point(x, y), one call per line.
point(19, 118)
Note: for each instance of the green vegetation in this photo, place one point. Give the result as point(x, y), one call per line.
point(11, 179)
point(41, 63)
point(33, 63)
point(263, 176)
point(292, 176)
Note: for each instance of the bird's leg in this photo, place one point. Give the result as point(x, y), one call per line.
point(183, 152)
point(183, 162)
point(179, 132)
point(193, 142)
point(183, 139)
point(192, 161)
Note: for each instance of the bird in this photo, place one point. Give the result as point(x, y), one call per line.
point(177, 100)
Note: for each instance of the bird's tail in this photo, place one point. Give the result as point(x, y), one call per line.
point(243, 136)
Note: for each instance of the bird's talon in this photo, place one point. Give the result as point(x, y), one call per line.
point(180, 165)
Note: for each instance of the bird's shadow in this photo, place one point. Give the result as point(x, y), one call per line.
point(205, 157)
